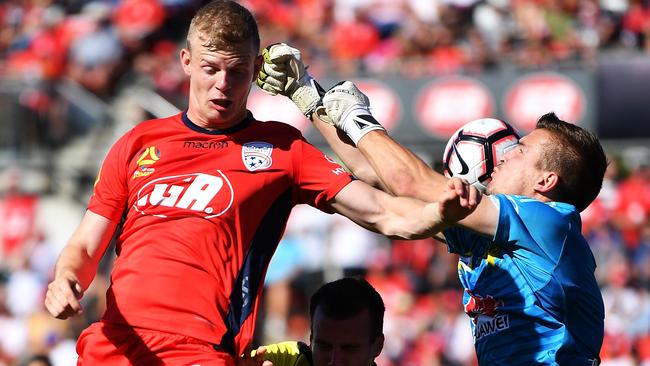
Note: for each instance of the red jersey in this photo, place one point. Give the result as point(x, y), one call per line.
point(201, 214)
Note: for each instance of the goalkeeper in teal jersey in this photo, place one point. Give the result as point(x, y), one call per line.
point(347, 319)
point(530, 290)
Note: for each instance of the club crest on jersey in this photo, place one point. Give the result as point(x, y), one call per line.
point(257, 155)
point(147, 158)
point(198, 194)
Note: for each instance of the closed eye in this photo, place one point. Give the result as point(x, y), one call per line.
point(209, 70)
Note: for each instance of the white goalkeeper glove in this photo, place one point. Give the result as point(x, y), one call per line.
point(349, 110)
point(284, 73)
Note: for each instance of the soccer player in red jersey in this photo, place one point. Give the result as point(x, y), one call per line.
point(198, 202)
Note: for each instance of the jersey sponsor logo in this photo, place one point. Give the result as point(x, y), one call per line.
point(256, 155)
point(205, 144)
point(330, 159)
point(196, 194)
point(339, 170)
point(478, 305)
point(487, 325)
point(484, 312)
point(148, 157)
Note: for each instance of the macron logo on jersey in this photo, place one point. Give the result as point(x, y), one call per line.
point(184, 195)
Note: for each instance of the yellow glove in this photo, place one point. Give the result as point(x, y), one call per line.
point(290, 353)
point(283, 72)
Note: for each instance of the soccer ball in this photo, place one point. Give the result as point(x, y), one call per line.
point(475, 148)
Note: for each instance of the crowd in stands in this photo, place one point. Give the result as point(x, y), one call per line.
point(102, 43)
point(66, 48)
point(94, 50)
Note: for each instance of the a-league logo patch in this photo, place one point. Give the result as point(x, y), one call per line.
point(257, 155)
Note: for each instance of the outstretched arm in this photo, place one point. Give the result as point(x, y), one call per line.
point(399, 169)
point(379, 160)
point(77, 264)
point(403, 217)
point(352, 157)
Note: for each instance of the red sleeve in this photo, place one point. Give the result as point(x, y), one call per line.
point(318, 177)
point(110, 193)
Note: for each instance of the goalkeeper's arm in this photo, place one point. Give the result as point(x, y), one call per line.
point(401, 171)
point(283, 72)
point(352, 157)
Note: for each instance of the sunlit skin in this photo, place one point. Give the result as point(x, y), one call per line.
point(518, 173)
point(343, 342)
point(219, 82)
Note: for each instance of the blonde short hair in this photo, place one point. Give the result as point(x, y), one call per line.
point(223, 25)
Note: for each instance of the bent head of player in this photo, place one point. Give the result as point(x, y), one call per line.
point(557, 161)
point(347, 319)
point(222, 61)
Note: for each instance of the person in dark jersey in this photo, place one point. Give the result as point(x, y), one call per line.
point(197, 203)
point(346, 322)
point(528, 273)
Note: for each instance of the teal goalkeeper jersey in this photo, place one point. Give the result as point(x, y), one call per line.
point(530, 292)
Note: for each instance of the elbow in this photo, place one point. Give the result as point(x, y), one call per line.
point(402, 184)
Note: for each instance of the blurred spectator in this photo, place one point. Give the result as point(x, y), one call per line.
point(633, 209)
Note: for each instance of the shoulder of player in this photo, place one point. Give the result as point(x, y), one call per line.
point(134, 138)
point(548, 213)
point(155, 123)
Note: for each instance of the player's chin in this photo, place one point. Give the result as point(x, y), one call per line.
point(219, 115)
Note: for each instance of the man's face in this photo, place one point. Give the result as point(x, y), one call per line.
point(343, 342)
point(219, 82)
point(518, 170)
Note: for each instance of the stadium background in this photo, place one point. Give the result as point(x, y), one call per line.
point(74, 75)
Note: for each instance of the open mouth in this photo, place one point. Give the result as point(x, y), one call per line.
point(221, 103)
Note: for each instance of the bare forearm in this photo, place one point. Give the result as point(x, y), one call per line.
point(401, 171)
point(352, 157)
point(410, 218)
point(81, 255)
point(398, 217)
point(75, 262)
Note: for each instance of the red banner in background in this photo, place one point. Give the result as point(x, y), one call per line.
point(445, 105)
point(18, 215)
point(532, 96)
point(385, 103)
